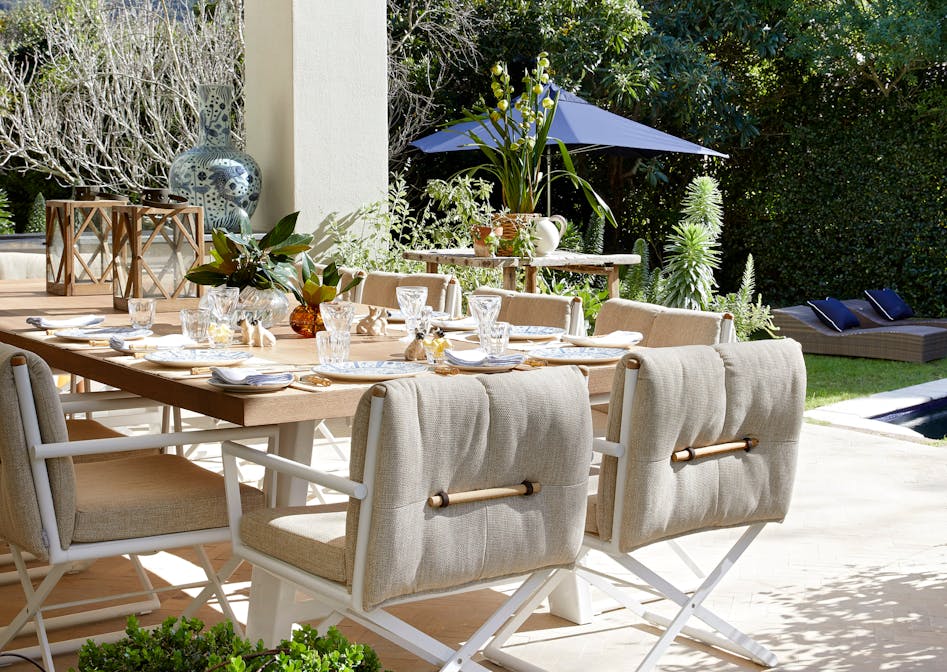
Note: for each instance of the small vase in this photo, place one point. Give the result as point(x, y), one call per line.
point(480, 245)
point(214, 174)
point(267, 306)
point(511, 223)
point(306, 320)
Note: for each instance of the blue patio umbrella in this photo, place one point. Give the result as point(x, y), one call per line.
point(581, 126)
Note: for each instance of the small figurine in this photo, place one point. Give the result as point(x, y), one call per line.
point(262, 337)
point(245, 332)
point(375, 323)
point(415, 350)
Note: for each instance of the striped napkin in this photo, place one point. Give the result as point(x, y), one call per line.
point(479, 357)
point(231, 376)
point(41, 322)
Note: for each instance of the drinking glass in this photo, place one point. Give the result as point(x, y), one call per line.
point(333, 347)
point(337, 315)
point(484, 308)
point(223, 313)
point(194, 323)
point(141, 312)
point(498, 338)
point(411, 300)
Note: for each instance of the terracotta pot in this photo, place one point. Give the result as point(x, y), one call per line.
point(511, 222)
point(480, 234)
point(306, 320)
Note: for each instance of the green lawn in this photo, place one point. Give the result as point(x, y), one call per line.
point(833, 379)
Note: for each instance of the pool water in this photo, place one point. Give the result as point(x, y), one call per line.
point(928, 419)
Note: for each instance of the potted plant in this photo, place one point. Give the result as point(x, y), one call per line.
point(182, 645)
point(263, 269)
point(306, 318)
point(513, 137)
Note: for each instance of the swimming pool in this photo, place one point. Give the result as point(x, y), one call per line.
point(928, 419)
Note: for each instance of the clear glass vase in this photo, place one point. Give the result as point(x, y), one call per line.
point(266, 306)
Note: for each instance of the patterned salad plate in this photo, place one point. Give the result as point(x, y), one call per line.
point(578, 355)
point(395, 315)
point(185, 359)
point(370, 371)
point(95, 333)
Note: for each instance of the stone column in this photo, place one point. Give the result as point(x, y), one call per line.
point(316, 107)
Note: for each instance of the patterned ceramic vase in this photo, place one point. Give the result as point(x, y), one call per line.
point(214, 174)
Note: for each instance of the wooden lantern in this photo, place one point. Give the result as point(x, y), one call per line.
point(153, 249)
point(79, 246)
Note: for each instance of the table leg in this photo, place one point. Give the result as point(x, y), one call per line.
point(509, 277)
point(530, 279)
point(430, 266)
point(614, 283)
point(271, 610)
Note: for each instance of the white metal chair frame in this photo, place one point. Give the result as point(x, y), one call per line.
point(61, 560)
point(723, 635)
point(348, 604)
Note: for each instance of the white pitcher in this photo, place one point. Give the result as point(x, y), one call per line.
point(548, 231)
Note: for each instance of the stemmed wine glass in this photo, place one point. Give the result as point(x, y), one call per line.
point(411, 300)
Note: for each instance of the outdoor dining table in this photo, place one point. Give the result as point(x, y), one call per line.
point(296, 412)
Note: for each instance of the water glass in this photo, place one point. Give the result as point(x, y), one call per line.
point(333, 347)
point(141, 312)
point(498, 338)
point(194, 322)
point(411, 300)
point(485, 308)
point(337, 315)
point(223, 301)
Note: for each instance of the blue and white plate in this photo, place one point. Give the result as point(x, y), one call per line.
point(520, 332)
point(185, 359)
point(370, 371)
point(578, 355)
point(104, 333)
point(397, 316)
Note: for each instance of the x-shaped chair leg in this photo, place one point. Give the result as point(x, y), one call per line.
point(729, 637)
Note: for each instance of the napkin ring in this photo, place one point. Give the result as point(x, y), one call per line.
point(446, 370)
point(535, 363)
point(318, 381)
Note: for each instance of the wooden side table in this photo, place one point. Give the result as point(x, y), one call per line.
point(594, 264)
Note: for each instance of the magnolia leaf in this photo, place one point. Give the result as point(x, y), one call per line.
point(205, 275)
point(283, 229)
point(330, 276)
point(222, 246)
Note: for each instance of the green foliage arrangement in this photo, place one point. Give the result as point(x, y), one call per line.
point(240, 260)
point(181, 645)
point(316, 289)
point(36, 221)
point(6, 217)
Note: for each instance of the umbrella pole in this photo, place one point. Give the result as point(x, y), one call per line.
point(548, 183)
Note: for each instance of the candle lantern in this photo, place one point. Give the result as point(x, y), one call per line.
point(79, 246)
point(154, 248)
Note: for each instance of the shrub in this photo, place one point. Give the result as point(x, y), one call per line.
point(6, 218)
point(36, 221)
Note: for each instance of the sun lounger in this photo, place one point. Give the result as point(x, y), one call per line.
point(906, 343)
point(868, 315)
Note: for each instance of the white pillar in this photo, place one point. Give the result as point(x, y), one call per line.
point(316, 107)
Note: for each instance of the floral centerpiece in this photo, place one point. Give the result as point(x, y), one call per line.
point(513, 137)
point(263, 269)
point(306, 318)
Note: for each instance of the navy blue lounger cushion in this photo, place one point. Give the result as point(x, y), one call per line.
point(834, 314)
point(888, 304)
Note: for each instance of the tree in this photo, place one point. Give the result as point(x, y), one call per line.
point(105, 91)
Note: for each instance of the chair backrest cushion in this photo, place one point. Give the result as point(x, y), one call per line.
point(660, 325)
point(696, 396)
point(379, 288)
point(541, 310)
point(468, 433)
point(19, 510)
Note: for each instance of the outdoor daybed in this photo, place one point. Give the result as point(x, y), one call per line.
point(905, 343)
point(868, 315)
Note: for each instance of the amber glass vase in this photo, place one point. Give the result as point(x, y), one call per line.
point(306, 320)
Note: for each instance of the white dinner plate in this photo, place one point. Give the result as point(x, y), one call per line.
point(185, 359)
point(395, 315)
point(578, 355)
point(249, 389)
point(522, 332)
point(462, 324)
point(370, 371)
point(105, 333)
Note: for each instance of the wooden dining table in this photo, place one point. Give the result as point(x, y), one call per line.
point(296, 412)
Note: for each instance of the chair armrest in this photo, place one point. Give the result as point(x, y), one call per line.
point(87, 402)
point(297, 469)
point(148, 441)
point(600, 445)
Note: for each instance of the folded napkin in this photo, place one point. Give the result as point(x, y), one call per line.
point(156, 343)
point(41, 322)
point(458, 324)
point(614, 339)
point(231, 376)
point(479, 357)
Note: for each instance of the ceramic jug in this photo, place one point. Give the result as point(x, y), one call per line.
point(548, 232)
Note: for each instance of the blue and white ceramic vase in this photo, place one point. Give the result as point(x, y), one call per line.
point(215, 174)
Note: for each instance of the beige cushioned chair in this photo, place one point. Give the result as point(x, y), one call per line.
point(662, 326)
point(63, 511)
point(413, 439)
point(541, 310)
point(676, 463)
point(443, 291)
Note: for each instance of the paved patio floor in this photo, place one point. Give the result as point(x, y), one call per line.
point(855, 580)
